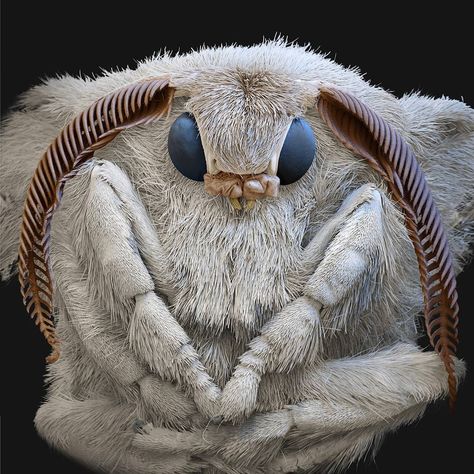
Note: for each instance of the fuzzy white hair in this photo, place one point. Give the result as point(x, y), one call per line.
point(302, 310)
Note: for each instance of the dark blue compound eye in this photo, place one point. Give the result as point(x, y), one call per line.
point(185, 148)
point(297, 153)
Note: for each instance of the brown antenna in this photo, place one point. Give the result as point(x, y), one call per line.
point(371, 137)
point(136, 104)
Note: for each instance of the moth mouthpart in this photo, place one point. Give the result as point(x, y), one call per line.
point(249, 204)
point(237, 203)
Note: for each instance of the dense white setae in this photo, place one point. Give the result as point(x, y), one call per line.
point(199, 337)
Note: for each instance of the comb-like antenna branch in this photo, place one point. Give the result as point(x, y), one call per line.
point(136, 104)
point(371, 137)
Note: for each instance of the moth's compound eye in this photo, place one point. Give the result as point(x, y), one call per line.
point(297, 153)
point(185, 148)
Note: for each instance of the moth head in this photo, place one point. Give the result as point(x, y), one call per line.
point(243, 142)
point(244, 135)
point(289, 161)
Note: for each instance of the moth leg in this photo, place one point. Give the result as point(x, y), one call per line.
point(99, 433)
point(115, 241)
point(315, 250)
point(285, 341)
point(105, 342)
point(204, 444)
point(356, 248)
point(270, 443)
point(354, 392)
point(341, 450)
point(358, 401)
point(257, 440)
point(294, 336)
point(344, 402)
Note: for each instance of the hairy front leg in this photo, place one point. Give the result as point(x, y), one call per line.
point(105, 343)
point(124, 266)
point(345, 401)
point(349, 243)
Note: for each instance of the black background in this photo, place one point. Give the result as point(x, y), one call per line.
point(398, 48)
